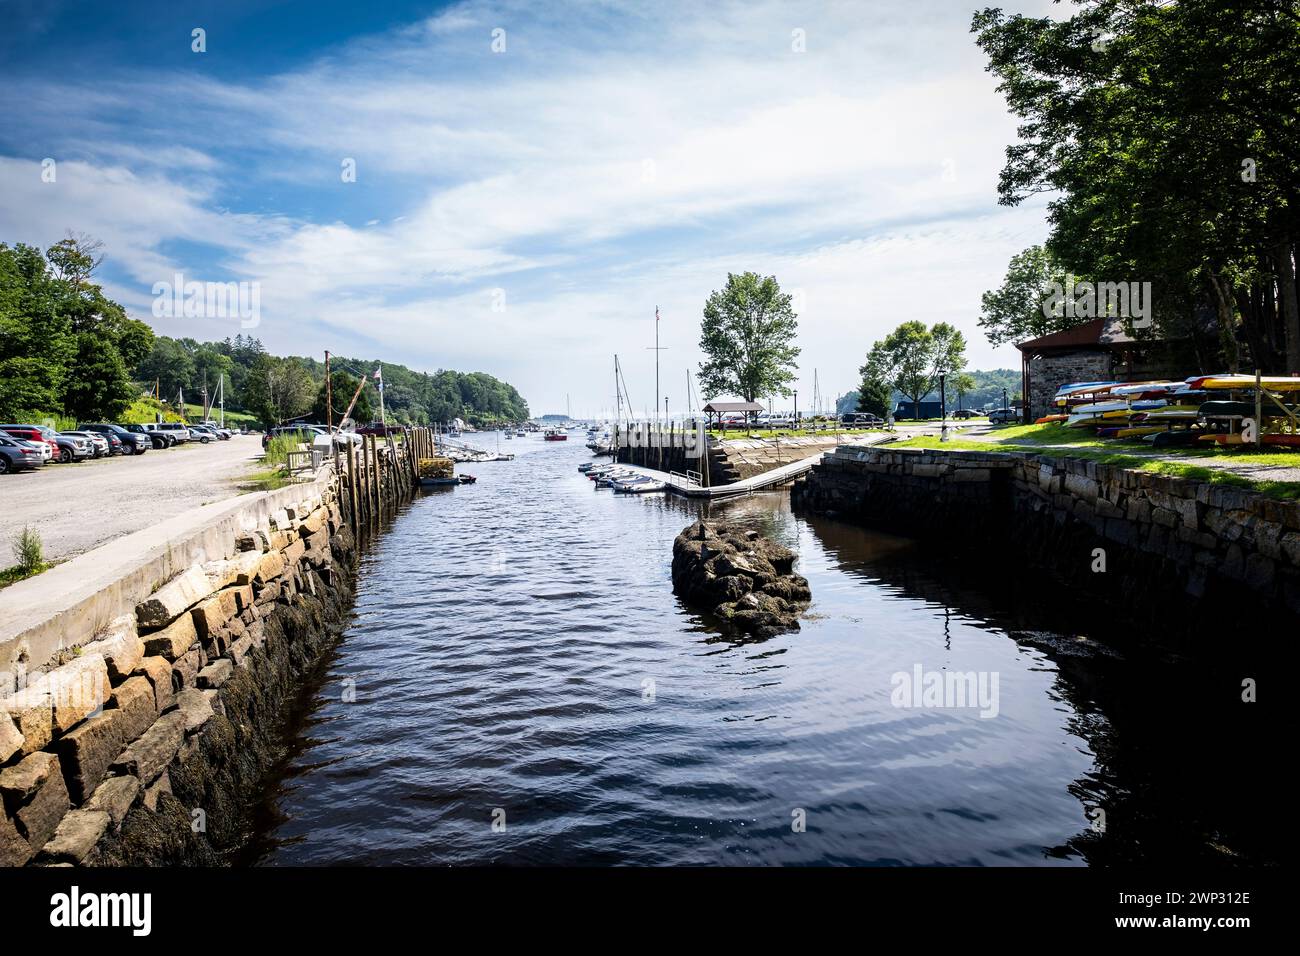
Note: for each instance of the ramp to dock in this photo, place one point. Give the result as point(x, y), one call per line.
point(689, 486)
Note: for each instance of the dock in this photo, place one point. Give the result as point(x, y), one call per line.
point(688, 485)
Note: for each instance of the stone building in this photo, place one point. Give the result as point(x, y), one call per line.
point(1096, 351)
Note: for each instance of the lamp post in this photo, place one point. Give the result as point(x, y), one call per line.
point(943, 405)
point(795, 424)
point(1004, 399)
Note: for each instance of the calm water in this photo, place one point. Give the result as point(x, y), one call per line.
point(516, 648)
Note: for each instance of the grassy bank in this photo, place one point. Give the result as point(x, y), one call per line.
point(1050, 440)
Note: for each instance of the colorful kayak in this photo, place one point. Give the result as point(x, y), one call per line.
point(1136, 432)
point(1048, 419)
point(1276, 383)
point(1291, 440)
point(1223, 438)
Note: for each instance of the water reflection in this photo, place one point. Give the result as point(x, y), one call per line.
point(517, 648)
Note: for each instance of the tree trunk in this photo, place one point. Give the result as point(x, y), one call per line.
point(1286, 285)
point(1223, 309)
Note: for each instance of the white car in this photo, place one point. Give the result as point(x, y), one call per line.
point(177, 430)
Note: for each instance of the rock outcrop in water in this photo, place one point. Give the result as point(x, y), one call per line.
point(743, 578)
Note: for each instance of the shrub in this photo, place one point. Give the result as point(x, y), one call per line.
point(29, 553)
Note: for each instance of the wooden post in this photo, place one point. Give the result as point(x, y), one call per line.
point(379, 490)
point(352, 482)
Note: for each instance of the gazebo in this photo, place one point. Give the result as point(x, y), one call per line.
point(724, 408)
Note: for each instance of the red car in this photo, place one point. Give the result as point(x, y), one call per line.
point(33, 434)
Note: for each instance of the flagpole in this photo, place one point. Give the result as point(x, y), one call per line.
point(656, 364)
point(379, 374)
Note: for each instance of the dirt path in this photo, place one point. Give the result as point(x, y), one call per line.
point(78, 507)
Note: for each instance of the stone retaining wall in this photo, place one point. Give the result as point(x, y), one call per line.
point(143, 744)
point(1169, 548)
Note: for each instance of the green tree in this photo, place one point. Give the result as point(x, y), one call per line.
point(748, 337)
point(1014, 311)
point(100, 387)
point(36, 340)
point(961, 385)
point(169, 364)
point(279, 389)
point(875, 396)
point(904, 360)
point(343, 385)
point(1166, 134)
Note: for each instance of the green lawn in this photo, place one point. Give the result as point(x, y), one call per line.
point(1077, 443)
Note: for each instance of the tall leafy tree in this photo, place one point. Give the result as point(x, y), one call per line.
point(37, 344)
point(748, 336)
point(1014, 312)
point(279, 389)
point(910, 359)
point(1166, 134)
point(904, 359)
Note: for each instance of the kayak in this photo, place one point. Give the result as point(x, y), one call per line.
point(1223, 438)
point(1137, 432)
point(1291, 440)
point(1225, 409)
point(1173, 439)
point(1276, 383)
point(1049, 419)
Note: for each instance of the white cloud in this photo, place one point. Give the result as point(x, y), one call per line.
point(615, 158)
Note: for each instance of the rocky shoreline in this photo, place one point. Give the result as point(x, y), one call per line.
point(745, 580)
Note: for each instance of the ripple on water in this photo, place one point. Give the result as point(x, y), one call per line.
point(516, 649)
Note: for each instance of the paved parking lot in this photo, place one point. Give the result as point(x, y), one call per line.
point(80, 506)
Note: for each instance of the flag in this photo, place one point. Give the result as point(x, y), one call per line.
point(377, 374)
point(656, 313)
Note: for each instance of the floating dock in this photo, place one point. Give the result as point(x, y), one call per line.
point(688, 485)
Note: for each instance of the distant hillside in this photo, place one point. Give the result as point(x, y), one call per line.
point(279, 388)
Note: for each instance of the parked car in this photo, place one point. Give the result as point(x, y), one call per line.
point(861, 419)
point(129, 443)
point(221, 432)
point(19, 455)
point(73, 448)
point(99, 446)
point(34, 434)
point(964, 413)
point(1003, 416)
point(159, 439)
point(177, 430)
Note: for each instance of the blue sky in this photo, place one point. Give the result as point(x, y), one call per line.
point(520, 211)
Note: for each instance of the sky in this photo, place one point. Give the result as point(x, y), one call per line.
point(531, 180)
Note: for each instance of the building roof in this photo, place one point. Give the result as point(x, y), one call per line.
point(1103, 333)
point(733, 407)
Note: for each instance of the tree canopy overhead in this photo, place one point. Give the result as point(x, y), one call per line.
point(1167, 136)
point(748, 337)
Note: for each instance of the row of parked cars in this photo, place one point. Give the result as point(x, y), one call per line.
point(27, 446)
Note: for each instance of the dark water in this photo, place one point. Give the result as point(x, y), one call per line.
point(517, 653)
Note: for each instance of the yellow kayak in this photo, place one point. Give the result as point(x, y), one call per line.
point(1140, 430)
point(1275, 383)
